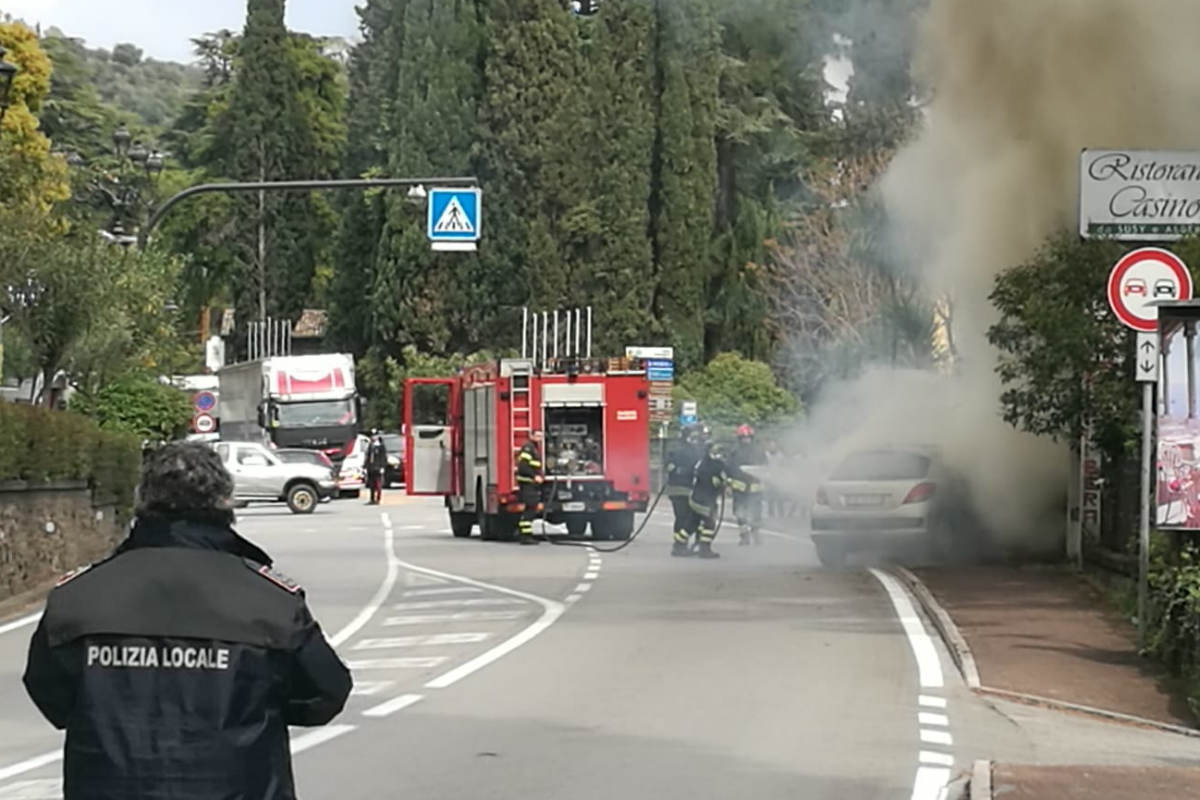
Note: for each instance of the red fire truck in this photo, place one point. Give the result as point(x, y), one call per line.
point(464, 433)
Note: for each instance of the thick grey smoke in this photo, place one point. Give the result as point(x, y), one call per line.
point(1019, 88)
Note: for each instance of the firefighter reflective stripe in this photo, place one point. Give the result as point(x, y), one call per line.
point(739, 486)
point(707, 534)
point(525, 479)
point(702, 510)
point(677, 491)
point(526, 527)
point(681, 536)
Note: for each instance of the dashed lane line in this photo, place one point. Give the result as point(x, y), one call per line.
point(400, 662)
point(319, 736)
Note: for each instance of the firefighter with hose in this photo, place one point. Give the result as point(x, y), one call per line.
point(530, 478)
point(681, 473)
point(747, 488)
point(712, 476)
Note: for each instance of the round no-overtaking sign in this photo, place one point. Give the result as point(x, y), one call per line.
point(1142, 279)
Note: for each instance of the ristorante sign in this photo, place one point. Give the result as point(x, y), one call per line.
point(1139, 195)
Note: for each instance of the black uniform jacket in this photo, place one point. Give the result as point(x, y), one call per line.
point(681, 468)
point(176, 665)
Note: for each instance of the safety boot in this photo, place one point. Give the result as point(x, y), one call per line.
point(706, 551)
point(680, 549)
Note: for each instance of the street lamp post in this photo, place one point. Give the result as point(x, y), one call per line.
point(8, 71)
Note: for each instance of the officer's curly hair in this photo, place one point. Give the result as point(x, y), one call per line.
point(185, 479)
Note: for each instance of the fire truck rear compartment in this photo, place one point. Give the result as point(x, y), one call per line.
point(574, 442)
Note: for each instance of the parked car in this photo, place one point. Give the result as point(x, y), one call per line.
point(260, 475)
point(893, 498)
point(394, 474)
point(296, 455)
point(353, 474)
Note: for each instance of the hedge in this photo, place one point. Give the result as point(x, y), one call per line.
point(40, 445)
point(1174, 623)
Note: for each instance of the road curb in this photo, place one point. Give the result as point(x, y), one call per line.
point(960, 651)
point(1111, 716)
point(981, 781)
point(955, 642)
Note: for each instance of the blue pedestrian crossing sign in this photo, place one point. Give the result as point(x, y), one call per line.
point(455, 217)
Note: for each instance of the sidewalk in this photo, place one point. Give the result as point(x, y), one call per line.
point(1016, 782)
point(1048, 635)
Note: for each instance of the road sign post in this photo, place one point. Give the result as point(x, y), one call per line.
point(1140, 280)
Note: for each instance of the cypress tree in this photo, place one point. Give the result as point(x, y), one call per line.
point(608, 233)
point(685, 169)
point(371, 82)
point(421, 297)
point(266, 133)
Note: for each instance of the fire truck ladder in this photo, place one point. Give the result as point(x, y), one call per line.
point(520, 407)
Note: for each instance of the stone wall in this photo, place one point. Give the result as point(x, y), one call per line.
point(47, 530)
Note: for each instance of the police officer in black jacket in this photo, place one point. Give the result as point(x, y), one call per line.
point(177, 664)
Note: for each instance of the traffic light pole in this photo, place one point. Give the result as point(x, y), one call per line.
point(292, 186)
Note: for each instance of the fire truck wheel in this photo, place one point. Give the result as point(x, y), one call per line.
point(461, 524)
point(576, 527)
point(620, 525)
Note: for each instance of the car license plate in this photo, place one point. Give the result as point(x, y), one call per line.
point(576, 506)
point(864, 500)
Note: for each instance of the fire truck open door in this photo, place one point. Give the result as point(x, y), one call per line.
point(429, 412)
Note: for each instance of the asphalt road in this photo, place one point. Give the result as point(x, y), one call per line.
point(487, 670)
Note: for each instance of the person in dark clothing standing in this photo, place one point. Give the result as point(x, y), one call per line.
point(530, 477)
point(712, 477)
point(681, 472)
point(177, 664)
point(376, 465)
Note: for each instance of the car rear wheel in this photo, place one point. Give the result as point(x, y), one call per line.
point(302, 498)
point(831, 553)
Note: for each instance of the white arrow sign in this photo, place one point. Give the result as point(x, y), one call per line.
point(1147, 357)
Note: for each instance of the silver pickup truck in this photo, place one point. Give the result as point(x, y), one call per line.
point(260, 476)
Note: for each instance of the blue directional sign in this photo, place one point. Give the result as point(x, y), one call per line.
point(455, 218)
point(660, 369)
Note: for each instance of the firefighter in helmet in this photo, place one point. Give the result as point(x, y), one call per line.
point(747, 489)
point(712, 476)
point(529, 479)
point(681, 472)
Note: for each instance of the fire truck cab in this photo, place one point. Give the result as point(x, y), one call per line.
point(464, 434)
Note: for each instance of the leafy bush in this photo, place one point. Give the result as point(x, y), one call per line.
point(732, 390)
point(1174, 622)
point(139, 405)
point(41, 445)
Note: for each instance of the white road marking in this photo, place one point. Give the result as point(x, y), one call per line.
point(930, 783)
point(551, 611)
point(936, 737)
point(929, 718)
point(422, 580)
point(573, 598)
point(381, 594)
point(393, 705)
point(472, 603)
point(461, 616)
point(931, 702)
point(929, 668)
point(406, 662)
point(591, 576)
point(443, 590)
point(20, 622)
point(368, 688)
point(430, 640)
point(30, 764)
point(937, 759)
point(583, 587)
point(37, 789)
point(319, 736)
